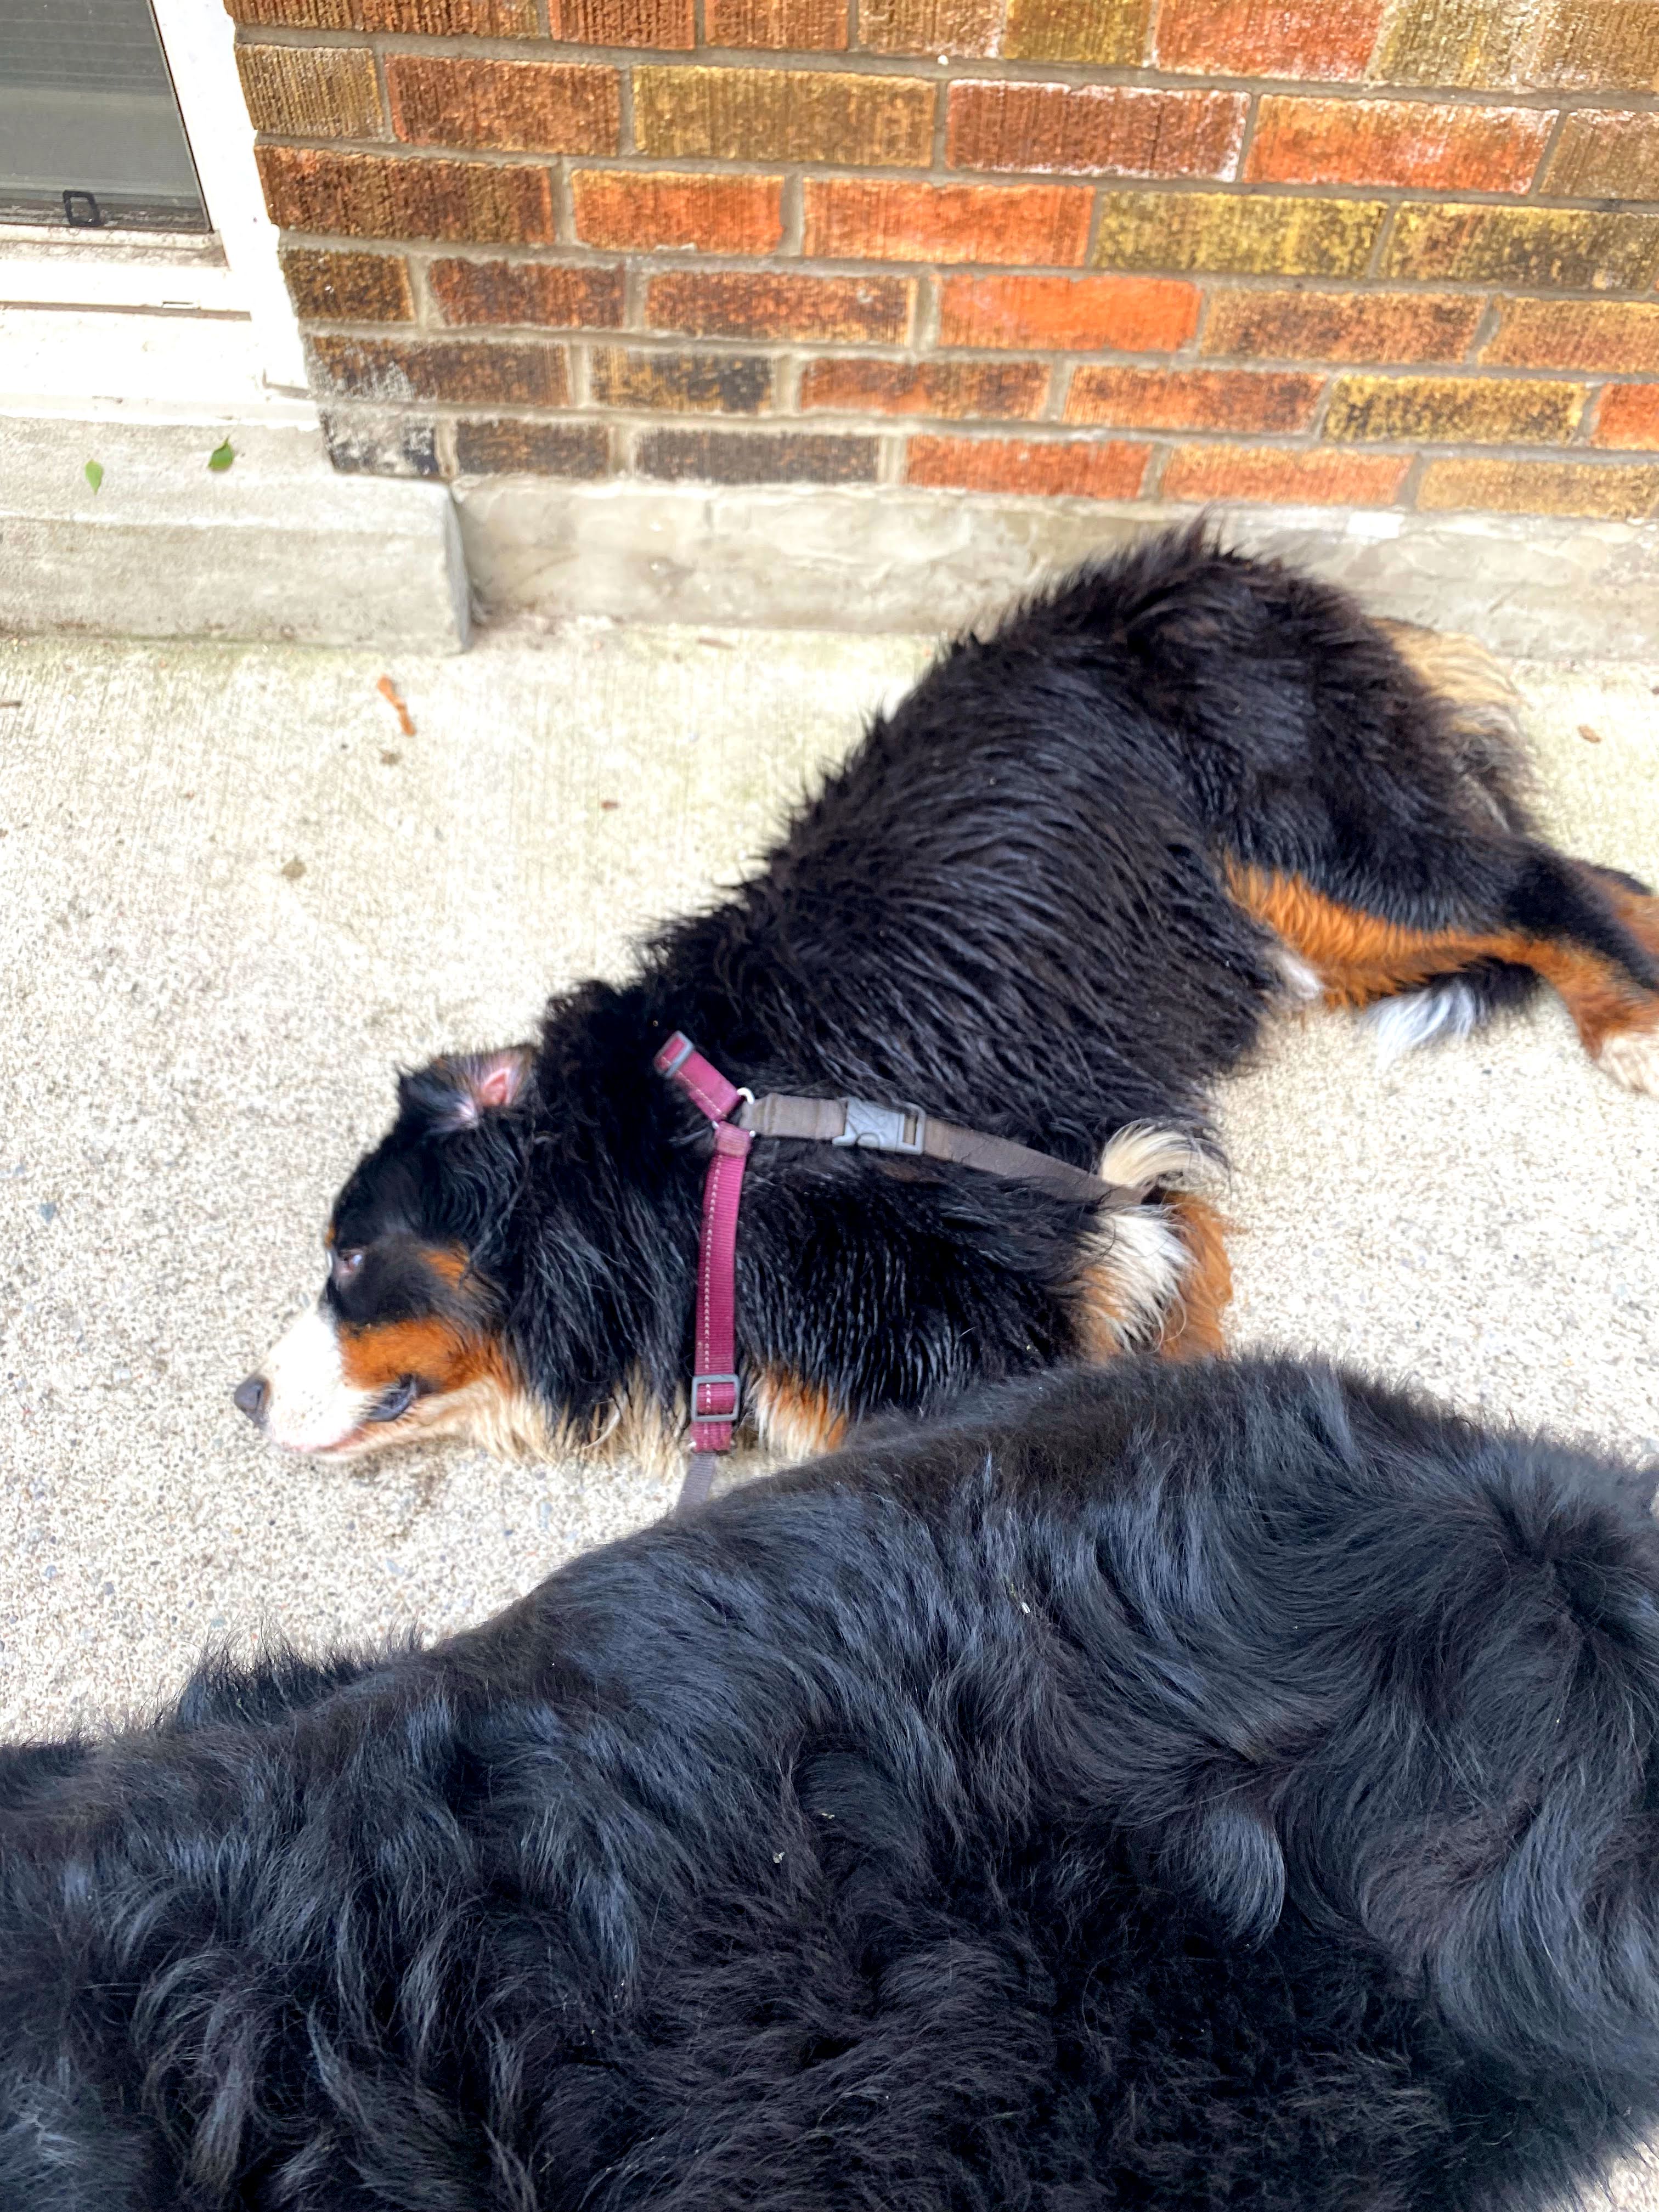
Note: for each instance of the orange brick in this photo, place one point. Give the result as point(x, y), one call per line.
point(800, 25)
point(1192, 399)
point(348, 288)
point(399, 368)
point(1378, 326)
point(929, 27)
point(1605, 334)
point(367, 196)
point(1111, 32)
point(994, 391)
point(1102, 130)
point(529, 292)
point(647, 212)
point(1601, 156)
point(623, 22)
point(444, 19)
point(1084, 314)
point(544, 108)
point(1422, 143)
point(1629, 417)
point(734, 303)
point(784, 115)
point(1319, 477)
point(543, 449)
point(870, 219)
point(1330, 38)
point(748, 457)
point(1453, 410)
point(1628, 494)
point(1057, 467)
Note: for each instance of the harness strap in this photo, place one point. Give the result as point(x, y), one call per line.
point(738, 1118)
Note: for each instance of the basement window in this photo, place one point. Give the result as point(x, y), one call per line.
point(91, 137)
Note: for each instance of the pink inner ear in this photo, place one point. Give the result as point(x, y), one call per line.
point(497, 1087)
point(497, 1078)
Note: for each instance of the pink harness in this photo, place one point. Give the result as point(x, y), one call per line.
point(738, 1118)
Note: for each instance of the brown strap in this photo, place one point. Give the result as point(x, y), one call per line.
point(699, 1481)
point(907, 1129)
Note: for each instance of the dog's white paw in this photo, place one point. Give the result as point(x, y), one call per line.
point(1631, 1057)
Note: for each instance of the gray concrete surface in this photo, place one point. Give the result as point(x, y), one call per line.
point(276, 546)
point(233, 896)
point(890, 558)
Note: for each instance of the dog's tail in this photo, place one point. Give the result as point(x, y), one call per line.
point(1448, 1006)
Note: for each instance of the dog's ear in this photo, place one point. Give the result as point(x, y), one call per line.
point(1232, 1857)
point(457, 1092)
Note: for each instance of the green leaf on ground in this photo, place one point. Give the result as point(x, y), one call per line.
point(221, 457)
point(93, 473)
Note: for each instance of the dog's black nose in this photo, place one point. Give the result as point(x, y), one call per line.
point(249, 1397)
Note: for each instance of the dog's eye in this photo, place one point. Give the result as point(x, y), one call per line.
point(343, 1265)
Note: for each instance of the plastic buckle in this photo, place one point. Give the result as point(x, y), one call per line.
point(702, 1413)
point(881, 1128)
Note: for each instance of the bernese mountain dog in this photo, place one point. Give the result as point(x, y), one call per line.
point(1053, 896)
point(1158, 1788)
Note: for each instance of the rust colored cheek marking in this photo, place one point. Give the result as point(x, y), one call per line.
point(1206, 1287)
point(445, 1358)
point(449, 1262)
point(1359, 958)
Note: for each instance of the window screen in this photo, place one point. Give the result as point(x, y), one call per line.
point(89, 129)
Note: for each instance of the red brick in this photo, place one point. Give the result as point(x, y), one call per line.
point(1097, 130)
point(681, 383)
point(1081, 314)
point(994, 391)
point(543, 107)
point(532, 293)
point(623, 22)
point(1371, 326)
point(1611, 334)
point(1318, 477)
point(1192, 399)
point(1067, 468)
point(734, 303)
point(875, 219)
point(1629, 417)
point(1330, 38)
point(644, 212)
point(802, 26)
point(1418, 142)
point(748, 457)
point(543, 449)
point(930, 26)
point(482, 19)
point(368, 195)
point(348, 288)
point(784, 115)
point(400, 368)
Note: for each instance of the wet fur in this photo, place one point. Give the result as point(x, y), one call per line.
point(1019, 905)
point(1160, 1788)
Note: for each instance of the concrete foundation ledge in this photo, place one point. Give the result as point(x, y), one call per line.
point(890, 559)
point(277, 546)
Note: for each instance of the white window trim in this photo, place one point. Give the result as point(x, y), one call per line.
point(166, 285)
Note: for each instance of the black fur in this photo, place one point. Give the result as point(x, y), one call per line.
point(1160, 1787)
point(1010, 907)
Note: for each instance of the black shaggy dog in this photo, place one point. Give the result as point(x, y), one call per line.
point(1052, 896)
point(1159, 1789)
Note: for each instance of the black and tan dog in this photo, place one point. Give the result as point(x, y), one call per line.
point(1168, 1789)
point(1052, 896)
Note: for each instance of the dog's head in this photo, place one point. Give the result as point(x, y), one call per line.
point(409, 1334)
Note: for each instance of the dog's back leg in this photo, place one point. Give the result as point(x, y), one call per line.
point(1513, 912)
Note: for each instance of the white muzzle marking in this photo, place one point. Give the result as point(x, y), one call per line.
point(311, 1408)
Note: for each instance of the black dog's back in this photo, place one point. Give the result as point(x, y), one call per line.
point(1218, 1786)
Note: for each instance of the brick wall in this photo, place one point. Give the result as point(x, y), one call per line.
point(1384, 252)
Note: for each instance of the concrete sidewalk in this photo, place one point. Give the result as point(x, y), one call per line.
point(233, 896)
